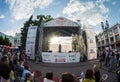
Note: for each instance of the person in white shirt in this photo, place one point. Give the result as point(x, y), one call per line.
point(49, 77)
point(28, 55)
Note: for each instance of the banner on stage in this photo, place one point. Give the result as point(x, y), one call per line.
point(60, 57)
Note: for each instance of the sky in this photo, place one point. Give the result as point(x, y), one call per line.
point(14, 13)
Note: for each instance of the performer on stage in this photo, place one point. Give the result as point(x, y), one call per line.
point(59, 48)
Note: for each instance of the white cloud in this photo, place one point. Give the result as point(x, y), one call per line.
point(2, 16)
point(12, 31)
point(23, 9)
point(90, 13)
point(113, 3)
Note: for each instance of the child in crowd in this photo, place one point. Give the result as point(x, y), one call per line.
point(96, 73)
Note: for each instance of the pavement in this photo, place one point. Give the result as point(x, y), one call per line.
point(73, 68)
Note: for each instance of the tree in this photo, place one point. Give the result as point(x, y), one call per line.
point(24, 30)
point(1, 40)
point(37, 22)
point(4, 41)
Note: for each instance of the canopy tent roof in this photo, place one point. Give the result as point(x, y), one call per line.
point(60, 21)
point(61, 27)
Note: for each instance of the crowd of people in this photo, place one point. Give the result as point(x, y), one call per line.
point(91, 75)
point(109, 58)
point(15, 68)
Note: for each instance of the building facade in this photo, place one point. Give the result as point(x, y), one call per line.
point(17, 39)
point(110, 38)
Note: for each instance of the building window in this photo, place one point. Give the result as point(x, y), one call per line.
point(115, 30)
point(111, 39)
point(102, 41)
point(106, 35)
point(98, 43)
point(18, 41)
point(107, 41)
point(117, 37)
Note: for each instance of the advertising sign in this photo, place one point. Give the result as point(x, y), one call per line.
point(60, 57)
point(30, 41)
point(91, 44)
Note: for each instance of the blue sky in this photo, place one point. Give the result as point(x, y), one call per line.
point(14, 13)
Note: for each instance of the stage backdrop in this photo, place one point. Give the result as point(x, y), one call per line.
point(30, 41)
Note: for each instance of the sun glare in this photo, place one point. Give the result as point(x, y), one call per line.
point(64, 41)
point(54, 40)
point(61, 40)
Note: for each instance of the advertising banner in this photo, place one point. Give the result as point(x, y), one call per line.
point(91, 44)
point(60, 57)
point(30, 41)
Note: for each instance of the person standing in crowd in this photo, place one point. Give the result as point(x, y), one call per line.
point(107, 57)
point(96, 73)
point(18, 55)
point(89, 76)
point(5, 69)
point(67, 77)
point(5, 72)
point(101, 58)
point(25, 71)
point(5, 60)
point(48, 77)
point(111, 62)
point(116, 57)
point(29, 78)
point(28, 55)
point(0, 54)
point(18, 70)
point(23, 57)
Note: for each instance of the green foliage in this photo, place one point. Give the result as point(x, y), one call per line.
point(37, 22)
point(84, 37)
point(24, 30)
point(4, 41)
